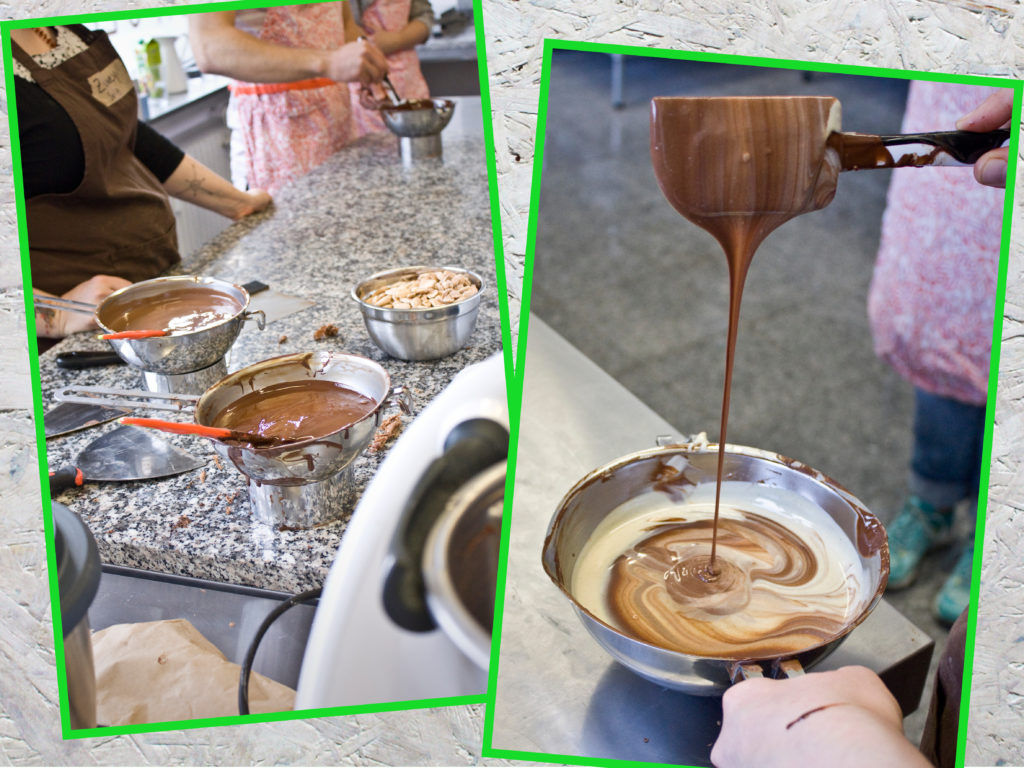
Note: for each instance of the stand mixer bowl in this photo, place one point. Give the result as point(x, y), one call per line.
point(460, 564)
point(607, 487)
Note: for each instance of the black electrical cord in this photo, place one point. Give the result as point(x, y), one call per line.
point(250, 655)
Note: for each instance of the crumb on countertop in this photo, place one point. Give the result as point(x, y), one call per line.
point(389, 428)
point(325, 331)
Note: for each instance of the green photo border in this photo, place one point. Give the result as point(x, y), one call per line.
point(58, 637)
point(551, 45)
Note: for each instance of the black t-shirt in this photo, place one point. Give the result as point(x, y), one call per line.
point(51, 150)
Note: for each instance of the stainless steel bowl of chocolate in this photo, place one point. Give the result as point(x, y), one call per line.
point(418, 117)
point(800, 563)
point(323, 406)
point(202, 317)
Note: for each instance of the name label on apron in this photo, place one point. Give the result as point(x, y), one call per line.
point(111, 83)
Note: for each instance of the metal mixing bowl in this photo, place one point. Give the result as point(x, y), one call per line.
point(418, 334)
point(604, 489)
point(427, 120)
point(182, 352)
point(303, 461)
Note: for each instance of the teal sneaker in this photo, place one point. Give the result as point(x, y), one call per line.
point(956, 592)
point(917, 529)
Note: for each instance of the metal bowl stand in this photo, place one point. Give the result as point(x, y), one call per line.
point(190, 383)
point(293, 507)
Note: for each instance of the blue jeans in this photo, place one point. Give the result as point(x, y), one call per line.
point(948, 441)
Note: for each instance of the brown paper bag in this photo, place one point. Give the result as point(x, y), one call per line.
point(166, 670)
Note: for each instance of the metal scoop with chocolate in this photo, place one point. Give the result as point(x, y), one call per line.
point(739, 167)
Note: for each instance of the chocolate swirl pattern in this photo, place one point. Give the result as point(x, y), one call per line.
point(785, 580)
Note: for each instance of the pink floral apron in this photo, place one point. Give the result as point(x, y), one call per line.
point(290, 128)
point(932, 297)
point(403, 66)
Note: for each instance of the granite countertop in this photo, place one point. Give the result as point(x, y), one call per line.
point(358, 213)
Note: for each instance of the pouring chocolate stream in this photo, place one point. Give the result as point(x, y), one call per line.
point(739, 168)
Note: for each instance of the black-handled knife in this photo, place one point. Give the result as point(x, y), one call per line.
point(87, 359)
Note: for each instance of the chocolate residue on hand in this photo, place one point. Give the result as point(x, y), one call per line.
point(810, 712)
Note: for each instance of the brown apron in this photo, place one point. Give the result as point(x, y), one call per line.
point(118, 221)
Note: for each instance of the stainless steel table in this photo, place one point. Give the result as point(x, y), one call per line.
point(557, 692)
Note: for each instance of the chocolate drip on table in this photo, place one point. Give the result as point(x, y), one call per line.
point(739, 168)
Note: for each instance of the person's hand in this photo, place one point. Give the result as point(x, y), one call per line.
point(56, 324)
point(359, 61)
point(369, 100)
point(845, 717)
point(388, 42)
point(253, 202)
point(994, 112)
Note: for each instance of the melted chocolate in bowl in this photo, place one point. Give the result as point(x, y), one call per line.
point(179, 309)
point(296, 410)
point(788, 577)
point(409, 105)
point(740, 167)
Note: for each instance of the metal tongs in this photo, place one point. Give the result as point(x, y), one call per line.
point(126, 398)
point(66, 305)
point(392, 93)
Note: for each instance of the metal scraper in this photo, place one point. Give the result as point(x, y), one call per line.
point(275, 305)
point(125, 453)
point(71, 417)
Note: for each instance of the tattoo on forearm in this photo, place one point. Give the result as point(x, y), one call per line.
point(194, 187)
